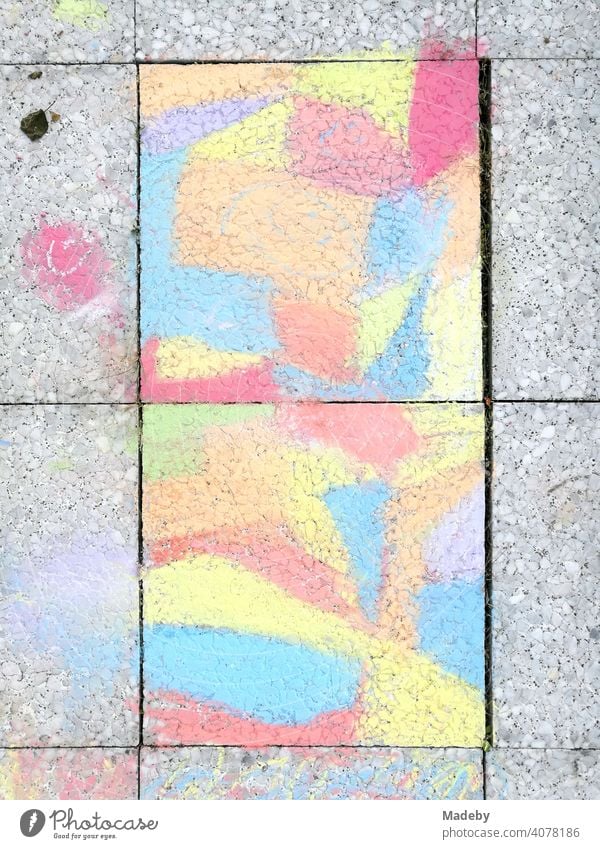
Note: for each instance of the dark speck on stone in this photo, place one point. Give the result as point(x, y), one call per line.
point(35, 124)
point(35, 75)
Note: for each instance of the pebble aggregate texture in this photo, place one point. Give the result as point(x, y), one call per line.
point(546, 219)
point(546, 568)
point(335, 773)
point(292, 29)
point(68, 293)
point(68, 774)
point(67, 31)
point(69, 625)
point(311, 231)
point(539, 28)
point(542, 774)
point(307, 585)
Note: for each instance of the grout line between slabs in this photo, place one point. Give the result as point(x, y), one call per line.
point(308, 61)
point(405, 402)
point(485, 185)
point(156, 747)
point(140, 409)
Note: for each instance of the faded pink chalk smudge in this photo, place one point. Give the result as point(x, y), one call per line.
point(68, 265)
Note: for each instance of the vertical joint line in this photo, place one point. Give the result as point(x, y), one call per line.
point(140, 424)
point(485, 165)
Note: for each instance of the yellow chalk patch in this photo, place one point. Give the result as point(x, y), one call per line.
point(87, 14)
point(260, 138)
point(212, 592)
point(452, 320)
point(408, 700)
point(383, 90)
point(381, 316)
point(185, 357)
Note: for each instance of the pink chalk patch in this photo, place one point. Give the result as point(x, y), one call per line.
point(181, 720)
point(68, 266)
point(345, 149)
point(376, 433)
point(444, 116)
point(242, 385)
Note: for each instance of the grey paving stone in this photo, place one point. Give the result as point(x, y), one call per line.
point(542, 774)
point(67, 246)
point(68, 774)
point(67, 31)
point(539, 28)
point(68, 576)
point(311, 773)
point(546, 566)
point(291, 29)
point(546, 181)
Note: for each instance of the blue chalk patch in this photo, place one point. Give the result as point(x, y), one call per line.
point(451, 623)
point(274, 681)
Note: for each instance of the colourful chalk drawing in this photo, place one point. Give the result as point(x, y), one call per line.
point(68, 774)
point(311, 773)
point(313, 574)
point(86, 14)
point(310, 231)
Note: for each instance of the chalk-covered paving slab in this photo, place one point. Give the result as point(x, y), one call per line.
point(68, 616)
point(543, 774)
point(313, 574)
point(67, 31)
point(68, 774)
point(288, 29)
point(310, 231)
point(546, 536)
point(526, 29)
point(67, 266)
point(546, 181)
point(305, 773)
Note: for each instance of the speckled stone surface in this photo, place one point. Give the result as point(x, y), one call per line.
point(290, 29)
point(310, 231)
point(313, 574)
point(543, 774)
point(68, 774)
point(546, 181)
point(69, 612)
point(67, 263)
point(336, 773)
point(538, 28)
point(67, 31)
point(545, 592)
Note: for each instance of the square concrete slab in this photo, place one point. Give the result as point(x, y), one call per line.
point(313, 574)
point(67, 31)
point(546, 181)
point(545, 593)
point(68, 243)
point(524, 29)
point(69, 613)
point(542, 774)
point(68, 774)
point(310, 231)
point(304, 773)
point(288, 29)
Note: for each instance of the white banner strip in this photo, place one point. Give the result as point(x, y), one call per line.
point(278, 825)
